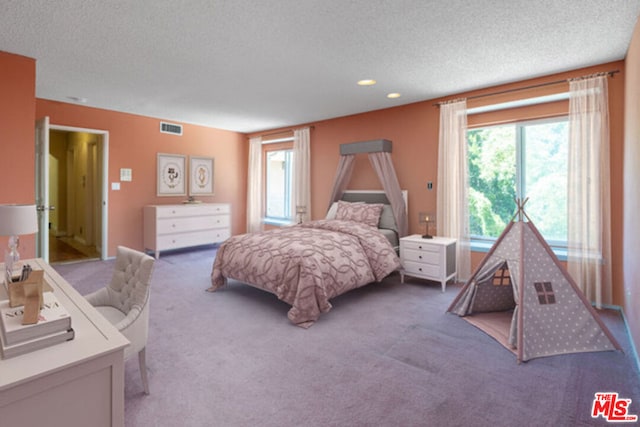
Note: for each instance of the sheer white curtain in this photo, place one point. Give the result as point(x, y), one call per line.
point(301, 186)
point(382, 164)
point(254, 186)
point(452, 202)
point(343, 175)
point(589, 221)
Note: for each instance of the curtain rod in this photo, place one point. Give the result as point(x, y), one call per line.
point(285, 131)
point(610, 73)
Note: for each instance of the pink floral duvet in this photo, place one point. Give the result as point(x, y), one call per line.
point(308, 264)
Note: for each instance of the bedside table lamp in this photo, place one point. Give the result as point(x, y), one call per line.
point(426, 218)
point(300, 212)
point(16, 220)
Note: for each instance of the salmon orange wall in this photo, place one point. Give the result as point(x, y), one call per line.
point(631, 198)
point(414, 129)
point(134, 142)
point(17, 149)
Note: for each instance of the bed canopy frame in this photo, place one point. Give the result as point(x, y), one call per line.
point(379, 151)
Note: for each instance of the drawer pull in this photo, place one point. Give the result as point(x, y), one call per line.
point(419, 268)
point(419, 247)
point(419, 256)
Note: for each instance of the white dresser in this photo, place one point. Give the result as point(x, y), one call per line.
point(431, 259)
point(180, 226)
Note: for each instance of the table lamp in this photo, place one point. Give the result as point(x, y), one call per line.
point(16, 220)
point(426, 218)
point(301, 211)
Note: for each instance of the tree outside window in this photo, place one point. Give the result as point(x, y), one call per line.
point(525, 159)
point(278, 184)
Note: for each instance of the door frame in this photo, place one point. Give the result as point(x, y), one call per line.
point(105, 183)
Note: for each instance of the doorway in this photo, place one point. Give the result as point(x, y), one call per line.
point(75, 183)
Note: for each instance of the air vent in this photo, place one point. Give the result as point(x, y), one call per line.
point(170, 128)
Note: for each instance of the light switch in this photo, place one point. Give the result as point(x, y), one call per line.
point(125, 174)
point(115, 185)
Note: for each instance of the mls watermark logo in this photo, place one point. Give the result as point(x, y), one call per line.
point(612, 408)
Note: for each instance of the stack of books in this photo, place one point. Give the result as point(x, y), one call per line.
point(53, 327)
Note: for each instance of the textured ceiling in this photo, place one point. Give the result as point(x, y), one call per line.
point(255, 65)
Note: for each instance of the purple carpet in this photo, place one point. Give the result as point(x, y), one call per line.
point(385, 355)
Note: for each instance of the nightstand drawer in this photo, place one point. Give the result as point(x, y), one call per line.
point(421, 269)
point(422, 257)
point(422, 247)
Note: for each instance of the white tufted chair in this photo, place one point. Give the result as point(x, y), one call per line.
point(125, 302)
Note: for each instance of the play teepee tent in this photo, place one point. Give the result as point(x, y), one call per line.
point(524, 298)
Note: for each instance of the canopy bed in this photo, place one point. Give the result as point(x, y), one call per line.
point(306, 265)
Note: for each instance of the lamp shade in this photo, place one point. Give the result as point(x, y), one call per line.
point(16, 220)
point(426, 217)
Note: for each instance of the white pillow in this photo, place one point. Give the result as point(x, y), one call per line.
point(386, 218)
point(331, 214)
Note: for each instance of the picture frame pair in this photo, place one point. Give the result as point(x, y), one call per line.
point(173, 175)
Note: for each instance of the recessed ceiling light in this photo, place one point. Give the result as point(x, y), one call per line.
point(366, 82)
point(393, 95)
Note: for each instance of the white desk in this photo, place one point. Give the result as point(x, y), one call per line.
point(75, 383)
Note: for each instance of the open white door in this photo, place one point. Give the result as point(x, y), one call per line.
point(42, 187)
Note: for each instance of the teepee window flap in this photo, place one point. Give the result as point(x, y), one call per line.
point(545, 293)
point(502, 277)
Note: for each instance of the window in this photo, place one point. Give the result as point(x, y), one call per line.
point(524, 159)
point(278, 185)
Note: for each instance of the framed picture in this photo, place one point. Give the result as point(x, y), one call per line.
point(172, 175)
point(201, 176)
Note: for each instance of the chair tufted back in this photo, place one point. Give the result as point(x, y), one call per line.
point(129, 286)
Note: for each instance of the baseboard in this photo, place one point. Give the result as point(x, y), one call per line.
point(626, 326)
point(80, 240)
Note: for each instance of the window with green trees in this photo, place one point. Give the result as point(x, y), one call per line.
point(279, 172)
point(524, 159)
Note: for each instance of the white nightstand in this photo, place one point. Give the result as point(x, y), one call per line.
point(431, 259)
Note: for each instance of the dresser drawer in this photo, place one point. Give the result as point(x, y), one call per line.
point(423, 257)
point(194, 238)
point(221, 221)
point(179, 225)
point(191, 210)
point(420, 269)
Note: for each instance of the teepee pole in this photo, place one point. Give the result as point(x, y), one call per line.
point(520, 328)
point(520, 211)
